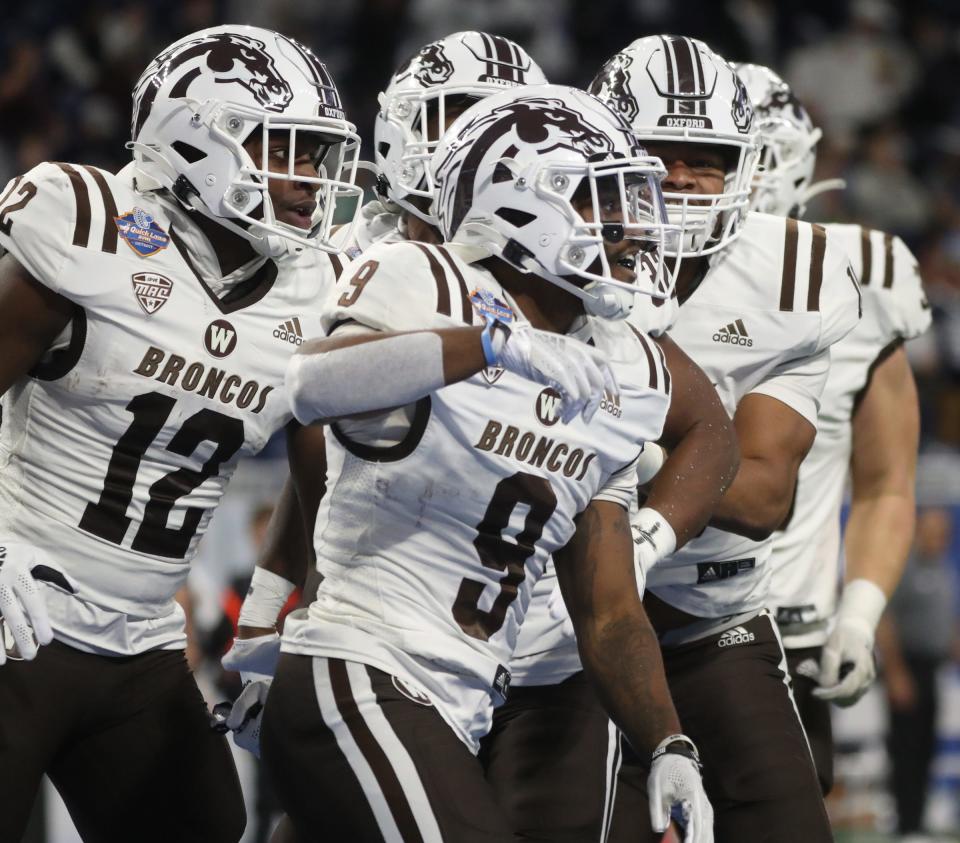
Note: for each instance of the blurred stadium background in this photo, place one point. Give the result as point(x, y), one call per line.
point(879, 77)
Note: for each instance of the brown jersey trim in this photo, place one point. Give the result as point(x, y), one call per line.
point(244, 294)
point(651, 363)
point(789, 280)
point(81, 194)
point(887, 261)
point(337, 266)
point(866, 256)
point(440, 277)
point(110, 233)
point(466, 307)
point(663, 362)
point(372, 752)
point(63, 360)
point(818, 249)
point(390, 453)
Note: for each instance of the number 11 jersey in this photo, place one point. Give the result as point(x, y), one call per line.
point(117, 447)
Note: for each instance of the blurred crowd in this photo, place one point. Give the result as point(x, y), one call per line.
point(879, 77)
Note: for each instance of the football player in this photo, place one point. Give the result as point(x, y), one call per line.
point(423, 97)
point(146, 321)
point(868, 424)
point(519, 411)
point(760, 302)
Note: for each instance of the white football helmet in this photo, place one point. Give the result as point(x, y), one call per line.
point(201, 99)
point(468, 65)
point(676, 89)
point(784, 181)
point(511, 171)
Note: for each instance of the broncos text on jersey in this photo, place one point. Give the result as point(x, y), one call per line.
point(438, 529)
point(117, 448)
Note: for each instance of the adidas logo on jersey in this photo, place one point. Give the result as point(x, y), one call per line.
point(290, 331)
point(611, 404)
point(735, 636)
point(733, 334)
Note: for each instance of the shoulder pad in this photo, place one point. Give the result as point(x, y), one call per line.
point(404, 286)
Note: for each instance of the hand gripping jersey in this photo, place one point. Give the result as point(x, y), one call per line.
point(762, 321)
point(432, 544)
point(807, 555)
point(116, 449)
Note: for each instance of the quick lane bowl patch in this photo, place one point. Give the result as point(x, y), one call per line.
point(489, 306)
point(141, 232)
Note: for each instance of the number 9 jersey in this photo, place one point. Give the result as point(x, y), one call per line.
point(433, 532)
point(117, 447)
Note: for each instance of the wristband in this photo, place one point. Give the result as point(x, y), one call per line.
point(677, 745)
point(493, 339)
point(651, 458)
point(650, 527)
point(265, 598)
point(862, 600)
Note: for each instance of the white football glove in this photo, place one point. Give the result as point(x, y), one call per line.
point(675, 790)
point(256, 660)
point(576, 370)
point(23, 603)
point(847, 665)
point(558, 612)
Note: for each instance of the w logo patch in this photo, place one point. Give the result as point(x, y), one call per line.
point(548, 406)
point(220, 338)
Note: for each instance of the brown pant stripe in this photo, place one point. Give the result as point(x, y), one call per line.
point(789, 280)
point(372, 752)
point(110, 234)
point(81, 229)
point(466, 307)
point(818, 248)
point(439, 276)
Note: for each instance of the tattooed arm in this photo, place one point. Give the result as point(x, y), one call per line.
point(618, 647)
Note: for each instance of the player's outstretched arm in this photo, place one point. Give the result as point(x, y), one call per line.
point(886, 429)
point(774, 438)
point(363, 371)
point(31, 318)
point(621, 655)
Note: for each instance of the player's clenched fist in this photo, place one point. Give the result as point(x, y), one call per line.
point(22, 601)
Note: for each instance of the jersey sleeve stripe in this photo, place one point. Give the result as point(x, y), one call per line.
point(789, 280)
point(110, 235)
point(651, 363)
point(466, 307)
point(818, 249)
point(866, 256)
point(337, 265)
point(439, 276)
point(887, 261)
point(81, 193)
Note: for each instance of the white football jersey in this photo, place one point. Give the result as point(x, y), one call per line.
point(432, 544)
point(116, 449)
point(807, 556)
point(761, 321)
